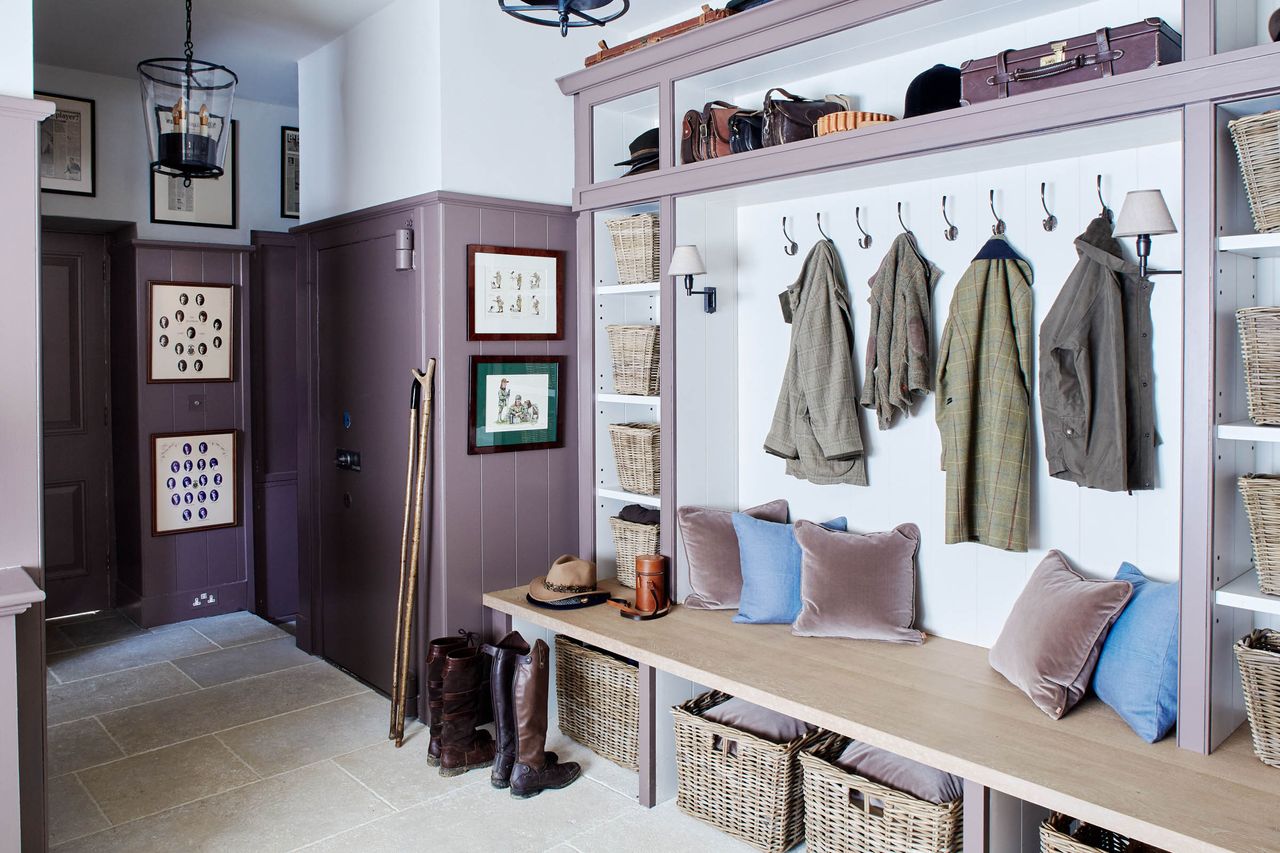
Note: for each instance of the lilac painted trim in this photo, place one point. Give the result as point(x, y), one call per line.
point(647, 747)
point(178, 246)
point(977, 814)
point(1199, 28)
point(425, 200)
point(584, 158)
point(667, 381)
point(668, 126)
point(586, 302)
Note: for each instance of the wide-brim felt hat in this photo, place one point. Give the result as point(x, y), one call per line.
point(569, 583)
point(643, 148)
point(649, 165)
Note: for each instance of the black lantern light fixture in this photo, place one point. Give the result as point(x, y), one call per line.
point(187, 105)
point(565, 13)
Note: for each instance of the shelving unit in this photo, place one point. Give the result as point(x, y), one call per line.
point(1251, 245)
point(630, 400)
point(625, 497)
point(1248, 431)
point(1243, 594)
point(627, 289)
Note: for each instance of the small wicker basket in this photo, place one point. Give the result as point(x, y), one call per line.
point(743, 785)
point(635, 359)
point(1257, 140)
point(598, 701)
point(1261, 494)
point(637, 452)
point(844, 811)
point(631, 540)
point(1259, 658)
point(1260, 347)
point(636, 249)
point(1062, 834)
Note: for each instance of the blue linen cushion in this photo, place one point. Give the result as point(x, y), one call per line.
point(771, 558)
point(1137, 672)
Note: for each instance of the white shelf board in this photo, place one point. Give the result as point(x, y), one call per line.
point(1248, 431)
point(629, 399)
point(1251, 245)
point(629, 497)
point(628, 289)
point(1243, 594)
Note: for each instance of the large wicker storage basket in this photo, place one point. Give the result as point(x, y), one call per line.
point(631, 540)
point(635, 359)
point(635, 247)
point(1260, 348)
point(741, 784)
point(1259, 658)
point(844, 812)
point(1257, 140)
point(1261, 493)
point(598, 702)
point(1062, 834)
point(637, 451)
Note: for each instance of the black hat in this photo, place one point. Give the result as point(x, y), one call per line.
point(644, 148)
point(743, 5)
point(933, 91)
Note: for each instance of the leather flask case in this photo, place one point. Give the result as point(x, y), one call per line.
point(651, 583)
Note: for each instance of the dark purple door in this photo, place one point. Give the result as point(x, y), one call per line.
point(76, 423)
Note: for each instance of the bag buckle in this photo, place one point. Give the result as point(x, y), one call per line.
point(1059, 54)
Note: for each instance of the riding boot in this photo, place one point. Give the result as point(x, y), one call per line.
point(437, 650)
point(463, 747)
point(501, 676)
point(532, 773)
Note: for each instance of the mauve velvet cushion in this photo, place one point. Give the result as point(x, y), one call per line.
point(902, 774)
point(858, 585)
point(771, 560)
point(761, 722)
point(1137, 672)
point(711, 547)
point(1050, 643)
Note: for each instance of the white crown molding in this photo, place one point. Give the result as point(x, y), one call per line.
point(30, 109)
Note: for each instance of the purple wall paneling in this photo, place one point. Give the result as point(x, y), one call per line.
point(584, 230)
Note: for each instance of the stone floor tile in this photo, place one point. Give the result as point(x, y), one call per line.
point(55, 640)
point(72, 812)
point(313, 734)
point(602, 770)
point(401, 776)
point(91, 696)
point(224, 665)
point(74, 746)
point(236, 629)
point(115, 626)
point(641, 830)
point(128, 653)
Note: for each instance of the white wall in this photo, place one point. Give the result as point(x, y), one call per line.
point(16, 48)
point(123, 182)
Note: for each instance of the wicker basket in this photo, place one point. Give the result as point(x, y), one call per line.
point(637, 449)
point(635, 359)
point(845, 812)
point(1259, 658)
point(1260, 347)
point(630, 540)
point(636, 248)
point(1257, 140)
point(598, 701)
point(743, 785)
point(1261, 493)
point(1062, 834)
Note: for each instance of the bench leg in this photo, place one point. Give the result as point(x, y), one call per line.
point(977, 810)
point(647, 745)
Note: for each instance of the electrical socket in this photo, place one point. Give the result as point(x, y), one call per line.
point(203, 599)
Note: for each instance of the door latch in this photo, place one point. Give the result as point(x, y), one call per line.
point(347, 460)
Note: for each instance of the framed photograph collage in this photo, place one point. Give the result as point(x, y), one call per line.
point(191, 332)
point(194, 482)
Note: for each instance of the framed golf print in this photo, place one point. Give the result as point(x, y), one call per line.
point(194, 481)
point(515, 403)
point(68, 146)
point(515, 294)
point(207, 202)
point(190, 332)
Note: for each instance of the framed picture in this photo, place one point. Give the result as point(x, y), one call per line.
point(290, 201)
point(515, 403)
point(194, 484)
point(206, 202)
point(191, 332)
point(68, 146)
point(515, 294)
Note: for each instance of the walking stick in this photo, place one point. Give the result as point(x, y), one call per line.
point(397, 710)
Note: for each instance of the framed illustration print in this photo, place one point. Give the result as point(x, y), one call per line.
point(290, 201)
point(206, 202)
point(194, 483)
point(515, 294)
point(191, 332)
point(515, 403)
point(68, 146)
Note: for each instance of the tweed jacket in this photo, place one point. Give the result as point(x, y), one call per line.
point(898, 346)
point(1096, 397)
point(815, 424)
point(984, 401)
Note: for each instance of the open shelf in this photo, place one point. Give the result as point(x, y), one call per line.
point(1243, 594)
point(629, 289)
point(1251, 245)
point(1248, 431)
point(629, 399)
point(626, 497)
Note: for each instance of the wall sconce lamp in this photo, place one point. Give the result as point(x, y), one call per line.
point(687, 261)
point(1143, 215)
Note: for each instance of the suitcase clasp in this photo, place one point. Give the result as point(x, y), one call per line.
point(1059, 54)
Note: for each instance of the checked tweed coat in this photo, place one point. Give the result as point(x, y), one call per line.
point(984, 401)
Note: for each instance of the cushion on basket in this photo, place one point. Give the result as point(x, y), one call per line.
point(919, 780)
point(858, 585)
point(1050, 642)
point(1137, 672)
point(761, 722)
point(771, 560)
point(711, 546)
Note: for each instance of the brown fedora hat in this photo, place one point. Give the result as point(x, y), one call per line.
point(569, 577)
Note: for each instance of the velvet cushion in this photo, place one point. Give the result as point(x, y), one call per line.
point(771, 560)
point(902, 774)
point(1050, 643)
point(1137, 672)
point(711, 547)
point(858, 585)
point(761, 722)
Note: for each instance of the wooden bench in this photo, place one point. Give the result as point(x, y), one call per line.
point(941, 704)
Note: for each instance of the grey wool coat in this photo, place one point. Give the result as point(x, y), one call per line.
point(815, 424)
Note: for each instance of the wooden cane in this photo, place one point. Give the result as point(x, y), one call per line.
point(397, 707)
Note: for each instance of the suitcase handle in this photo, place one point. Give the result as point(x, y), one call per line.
point(1106, 57)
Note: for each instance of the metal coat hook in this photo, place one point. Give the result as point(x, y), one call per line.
point(952, 231)
point(865, 240)
point(792, 246)
point(1050, 221)
point(998, 228)
point(820, 231)
point(905, 229)
point(1106, 211)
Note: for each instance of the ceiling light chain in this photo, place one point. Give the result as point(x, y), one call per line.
point(190, 45)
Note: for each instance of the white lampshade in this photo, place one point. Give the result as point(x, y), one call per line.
point(686, 260)
point(1144, 212)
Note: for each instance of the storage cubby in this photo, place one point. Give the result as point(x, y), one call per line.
point(615, 124)
point(1242, 24)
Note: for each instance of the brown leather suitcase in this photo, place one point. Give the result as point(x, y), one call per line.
point(707, 16)
point(1110, 50)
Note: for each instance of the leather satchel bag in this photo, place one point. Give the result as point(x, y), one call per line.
point(793, 119)
point(705, 133)
point(746, 131)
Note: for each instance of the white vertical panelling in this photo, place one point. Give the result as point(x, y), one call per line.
point(614, 125)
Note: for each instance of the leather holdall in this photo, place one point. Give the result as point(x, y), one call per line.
point(793, 118)
point(705, 133)
point(746, 131)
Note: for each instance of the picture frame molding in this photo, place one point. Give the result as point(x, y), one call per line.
point(232, 334)
point(473, 404)
point(156, 437)
point(93, 144)
point(561, 258)
point(234, 173)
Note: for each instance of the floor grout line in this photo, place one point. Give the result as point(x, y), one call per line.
point(110, 737)
point(237, 756)
point(381, 798)
point(219, 646)
point(92, 799)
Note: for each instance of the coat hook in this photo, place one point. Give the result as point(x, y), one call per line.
point(1106, 211)
point(792, 246)
point(998, 228)
point(820, 231)
point(865, 241)
point(905, 229)
point(1050, 221)
point(952, 231)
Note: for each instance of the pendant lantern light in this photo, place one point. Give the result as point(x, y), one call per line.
point(565, 13)
point(187, 105)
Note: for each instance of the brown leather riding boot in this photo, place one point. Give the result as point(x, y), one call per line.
point(463, 747)
point(501, 677)
point(532, 773)
point(437, 651)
